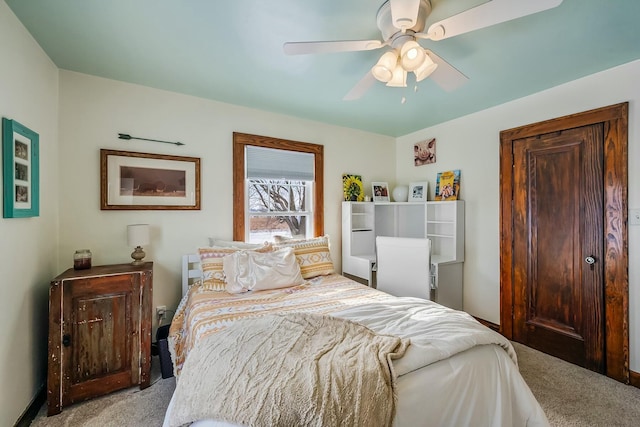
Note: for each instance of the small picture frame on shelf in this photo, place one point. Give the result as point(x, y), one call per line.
point(380, 191)
point(418, 191)
point(352, 188)
point(448, 185)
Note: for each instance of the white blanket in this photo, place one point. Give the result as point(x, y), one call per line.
point(436, 332)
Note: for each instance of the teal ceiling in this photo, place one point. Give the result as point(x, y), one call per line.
point(231, 51)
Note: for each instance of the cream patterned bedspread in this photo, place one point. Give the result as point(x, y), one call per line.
point(202, 313)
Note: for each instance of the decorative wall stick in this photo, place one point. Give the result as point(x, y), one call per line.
point(127, 136)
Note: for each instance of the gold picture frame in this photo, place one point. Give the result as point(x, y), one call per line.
point(141, 181)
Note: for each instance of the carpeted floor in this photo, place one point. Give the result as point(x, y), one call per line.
point(570, 396)
point(127, 408)
point(574, 396)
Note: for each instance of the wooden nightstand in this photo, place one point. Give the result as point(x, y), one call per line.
point(99, 332)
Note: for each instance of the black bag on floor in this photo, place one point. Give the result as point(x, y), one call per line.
point(166, 366)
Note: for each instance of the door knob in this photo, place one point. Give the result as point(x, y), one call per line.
point(590, 260)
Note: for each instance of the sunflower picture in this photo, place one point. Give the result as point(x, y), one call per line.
point(352, 187)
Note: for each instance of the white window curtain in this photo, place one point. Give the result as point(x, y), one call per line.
point(271, 163)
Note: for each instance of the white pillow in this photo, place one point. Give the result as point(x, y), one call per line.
point(255, 271)
point(233, 244)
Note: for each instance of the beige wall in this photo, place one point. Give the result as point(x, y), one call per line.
point(471, 144)
point(89, 112)
point(94, 110)
point(28, 246)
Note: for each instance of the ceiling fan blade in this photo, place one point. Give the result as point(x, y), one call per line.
point(302, 48)
point(485, 15)
point(446, 76)
point(404, 13)
point(360, 88)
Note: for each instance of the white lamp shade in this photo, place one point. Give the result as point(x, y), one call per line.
point(425, 70)
point(399, 78)
point(412, 56)
point(383, 70)
point(138, 234)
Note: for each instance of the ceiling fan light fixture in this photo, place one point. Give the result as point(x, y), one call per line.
point(412, 56)
point(399, 78)
point(383, 70)
point(425, 70)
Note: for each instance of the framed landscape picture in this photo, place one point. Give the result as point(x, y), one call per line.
point(131, 181)
point(20, 170)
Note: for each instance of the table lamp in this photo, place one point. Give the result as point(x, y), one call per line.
point(137, 236)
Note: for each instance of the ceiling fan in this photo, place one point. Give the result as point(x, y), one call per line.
point(402, 24)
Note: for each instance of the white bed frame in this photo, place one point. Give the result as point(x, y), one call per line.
point(190, 271)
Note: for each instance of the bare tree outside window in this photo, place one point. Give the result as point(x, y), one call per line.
point(277, 207)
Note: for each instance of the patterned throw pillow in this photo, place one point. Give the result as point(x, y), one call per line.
point(312, 254)
point(211, 264)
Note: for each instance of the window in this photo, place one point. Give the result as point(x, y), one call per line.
point(278, 188)
point(278, 206)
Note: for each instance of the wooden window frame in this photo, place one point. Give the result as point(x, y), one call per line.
point(242, 140)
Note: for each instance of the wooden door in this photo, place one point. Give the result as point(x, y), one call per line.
point(559, 306)
point(563, 198)
point(100, 336)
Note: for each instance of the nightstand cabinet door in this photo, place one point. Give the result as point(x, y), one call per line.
point(99, 338)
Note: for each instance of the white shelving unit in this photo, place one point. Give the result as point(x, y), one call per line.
point(358, 240)
point(445, 228)
point(441, 222)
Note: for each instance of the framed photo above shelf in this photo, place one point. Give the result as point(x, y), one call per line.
point(424, 152)
point(139, 181)
point(20, 170)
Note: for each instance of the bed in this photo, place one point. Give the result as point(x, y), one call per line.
point(452, 370)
